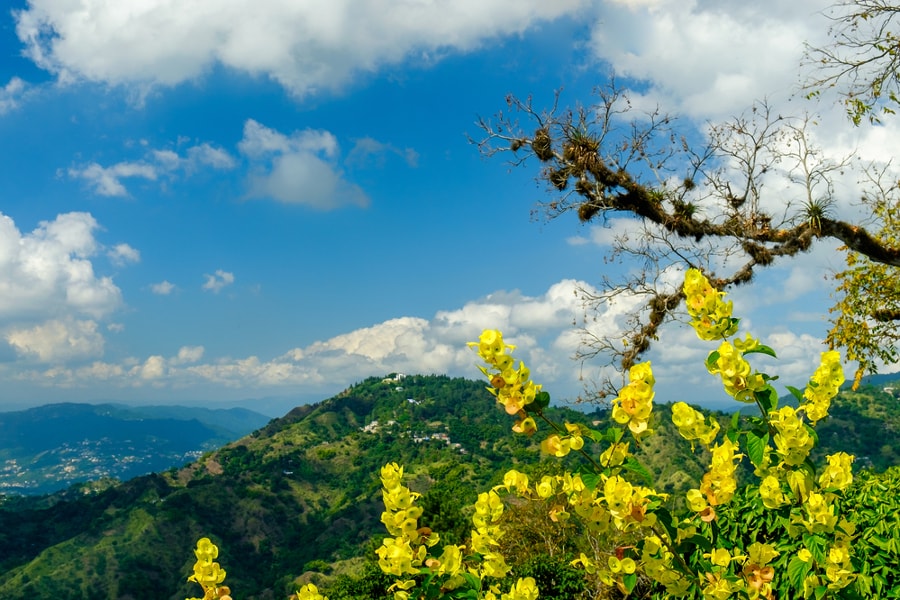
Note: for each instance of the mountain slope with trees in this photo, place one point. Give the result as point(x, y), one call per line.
point(299, 495)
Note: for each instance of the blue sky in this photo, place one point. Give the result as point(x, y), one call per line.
point(222, 202)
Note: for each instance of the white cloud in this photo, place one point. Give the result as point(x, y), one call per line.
point(540, 326)
point(370, 152)
point(709, 59)
point(298, 169)
point(163, 288)
point(217, 282)
point(156, 164)
point(122, 254)
point(49, 270)
point(58, 341)
point(11, 95)
point(107, 181)
point(188, 354)
point(153, 368)
point(304, 45)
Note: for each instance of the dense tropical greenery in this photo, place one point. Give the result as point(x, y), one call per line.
point(299, 499)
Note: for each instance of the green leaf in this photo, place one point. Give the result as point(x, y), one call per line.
point(695, 541)
point(767, 398)
point(757, 441)
point(711, 359)
point(797, 571)
point(540, 402)
point(735, 420)
point(664, 517)
point(795, 392)
point(762, 349)
point(631, 464)
point(629, 581)
point(590, 480)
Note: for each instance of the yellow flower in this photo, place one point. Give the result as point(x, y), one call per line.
point(517, 480)
point(837, 474)
point(720, 557)
point(310, 592)
point(523, 589)
point(771, 493)
point(710, 316)
point(615, 455)
point(625, 565)
point(823, 386)
point(526, 426)
point(692, 425)
point(451, 560)
point(635, 401)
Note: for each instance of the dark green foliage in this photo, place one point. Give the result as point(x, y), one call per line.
point(555, 577)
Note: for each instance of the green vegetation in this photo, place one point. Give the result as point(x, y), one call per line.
point(299, 499)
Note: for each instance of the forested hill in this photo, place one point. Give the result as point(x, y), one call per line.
point(301, 494)
point(304, 487)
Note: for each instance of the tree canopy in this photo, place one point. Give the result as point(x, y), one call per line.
point(710, 203)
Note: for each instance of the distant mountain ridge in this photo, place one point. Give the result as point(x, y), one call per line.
point(50, 447)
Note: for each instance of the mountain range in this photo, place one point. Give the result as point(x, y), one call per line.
point(51, 447)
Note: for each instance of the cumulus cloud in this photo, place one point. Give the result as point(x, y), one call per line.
point(218, 281)
point(155, 164)
point(709, 59)
point(122, 254)
point(300, 168)
point(306, 46)
point(11, 95)
point(49, 270)
point(163, 288)
point(58, 341)
point(107, 181)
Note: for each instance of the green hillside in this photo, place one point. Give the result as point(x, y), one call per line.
point(301, 494)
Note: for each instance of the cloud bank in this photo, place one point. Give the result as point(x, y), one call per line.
point(305, 46)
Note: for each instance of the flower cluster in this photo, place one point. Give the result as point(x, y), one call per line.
point(692, 425)
point(208, 573)
point(792, 438)
point(511, 385)
point(838, 473)
point(739, 380)
point(407, 553)
point(634, 403)
point(487, 533)
point(657, 563)
point(757, 572)
point(823, 386)
point(710, 316)
point(718, 484)
point(403, 554)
